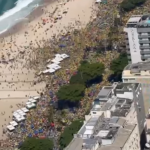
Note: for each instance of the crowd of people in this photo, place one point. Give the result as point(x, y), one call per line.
point(37, 123)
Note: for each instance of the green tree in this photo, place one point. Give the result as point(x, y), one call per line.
point(87, 73)
point(79, 78)
point(91, 71)
point(37, 144)
point(71, 92)
point(117, 65)
point(69, 132)
point(128, 5)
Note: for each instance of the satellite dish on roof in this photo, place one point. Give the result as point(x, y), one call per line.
point(147, 145)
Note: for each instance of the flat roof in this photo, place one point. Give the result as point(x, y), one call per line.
point(137, 67)
point(123, 135)
point(104, 92)
point(121, 138)
point(125, 87)
point(134, 18)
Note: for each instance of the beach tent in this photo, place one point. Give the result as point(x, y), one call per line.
point(15, 113)
point(25, 110)
point(64, 56)
point(36, 97)
point(32, 100)
point(58, 57)
point(56, 60)
point(10, 127)
point(101, 1)
point(54, 66)
point(31, 105)
point(98, 1)
point(13, 123)
point(28, 103)
point(16, 116)
point(49, 71)
point(20, 112)
point(20, 118)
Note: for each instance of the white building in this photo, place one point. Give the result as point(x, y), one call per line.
point(115, 123)
point(139, 73)
point(138, 38)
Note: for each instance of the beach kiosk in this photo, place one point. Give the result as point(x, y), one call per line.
point(36, 97)
point(32, 100)
point(30, 105)
point(20, 112)
point(64, 56)
point(20, 118)
point(54, 66)
point(25, 110)
point(13, 123)
point(10, 127)
point(101, 1)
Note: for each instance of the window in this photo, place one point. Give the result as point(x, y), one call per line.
point(94, 112)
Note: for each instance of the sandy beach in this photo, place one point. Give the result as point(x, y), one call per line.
point(17, 80)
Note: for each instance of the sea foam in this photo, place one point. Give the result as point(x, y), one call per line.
point(20, 4)
point(18, 13)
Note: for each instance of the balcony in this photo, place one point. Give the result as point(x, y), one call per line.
point(145, 52)
point(145, 57)
point(144, 41)
point(143, 36)
point(144, 47)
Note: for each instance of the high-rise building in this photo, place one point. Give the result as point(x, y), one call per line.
point(138, 38)
point(115, 122)
point(139, 73)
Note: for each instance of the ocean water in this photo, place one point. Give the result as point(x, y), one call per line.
point(13, 11)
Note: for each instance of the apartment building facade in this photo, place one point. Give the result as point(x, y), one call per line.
point(138, 38)
point(139, 73)
point(115, 122)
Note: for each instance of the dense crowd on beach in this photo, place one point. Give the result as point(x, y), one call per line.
point(17, 75)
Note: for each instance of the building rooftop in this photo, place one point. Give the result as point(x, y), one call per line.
point(137, 67)
point(139, 21)
point(144, 21)
point(104, 92)
point(125, 87)
point(107, 132)
point(110, 131)
point(120, 100)
point(122, 137)
point(134, 18)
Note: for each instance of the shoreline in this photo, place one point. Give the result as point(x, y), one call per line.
point(37, 12)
